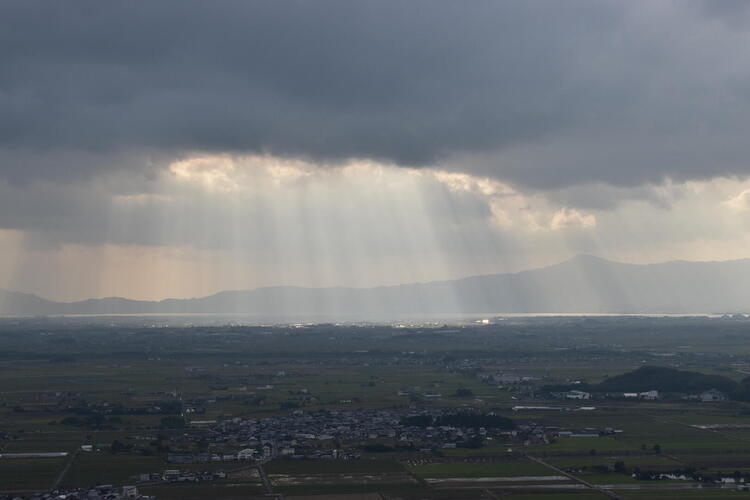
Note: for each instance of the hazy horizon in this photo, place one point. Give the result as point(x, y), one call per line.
point(582, 285)
point(292, 285)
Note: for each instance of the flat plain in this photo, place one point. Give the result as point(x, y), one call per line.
point(123, 397)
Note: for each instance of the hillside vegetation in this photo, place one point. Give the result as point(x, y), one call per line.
point(664, 379)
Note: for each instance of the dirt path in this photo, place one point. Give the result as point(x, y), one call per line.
point(60, 477)
point(264, 477)
point(574, 478)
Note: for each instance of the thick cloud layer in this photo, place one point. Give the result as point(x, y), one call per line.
point(178, 147)
point(544, 94)
point(217, 223)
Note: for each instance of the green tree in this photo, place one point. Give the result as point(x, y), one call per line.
point(463, 392)
point(118, 446)
point(172, 423)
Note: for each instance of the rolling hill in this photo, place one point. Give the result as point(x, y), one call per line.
point(584, 284)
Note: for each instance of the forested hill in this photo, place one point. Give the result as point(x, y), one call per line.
point(664, 380)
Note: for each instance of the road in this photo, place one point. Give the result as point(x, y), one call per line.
point(62, 474)
point(574, 478)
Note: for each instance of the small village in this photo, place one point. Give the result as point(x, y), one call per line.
point(341, 434)
point(315, 435)
point(101, 492)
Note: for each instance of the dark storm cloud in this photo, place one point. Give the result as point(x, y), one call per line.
point(541, 93)
point(733, 12)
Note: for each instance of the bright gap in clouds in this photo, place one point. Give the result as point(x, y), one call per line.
point(219, 222)
point(543, 130)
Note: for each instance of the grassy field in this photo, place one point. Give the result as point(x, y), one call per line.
point(29, 474)
point(585, 494)
point(202, 491)
point(485, 469)
point(108, 468)
point(571, 445)
point(702, 494)
point(298, 467)
point(629, 461)
point(329, 489)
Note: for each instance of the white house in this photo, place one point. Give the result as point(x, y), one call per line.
point(650, 395)
point(129, 492)
point(712, 395)
point(577, 395)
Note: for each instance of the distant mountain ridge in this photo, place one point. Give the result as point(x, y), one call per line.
point(583, 284)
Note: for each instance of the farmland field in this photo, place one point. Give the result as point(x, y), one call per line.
point(144, 400)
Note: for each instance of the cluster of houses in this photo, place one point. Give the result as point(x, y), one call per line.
point(340, 435)
point(708, 396)
point(239, 456)
point(579, 395)
point(647, 395)
point(737, 481)
point(583, 433)
point(128, 492)
point(326, 435)
point(418, 392)
point(711, 395)
point(574, 394)
point(304, 435)
point(503, 379)
point(102, 492)
point(532, 433)
point(178, 476)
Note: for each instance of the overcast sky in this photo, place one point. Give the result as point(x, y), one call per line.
point(178, 148)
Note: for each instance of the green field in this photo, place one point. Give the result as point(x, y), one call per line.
point(202, 491)
point(332, 466)
point(485, 469)
point(107, 468)
point(29, 474)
